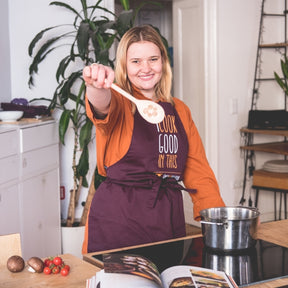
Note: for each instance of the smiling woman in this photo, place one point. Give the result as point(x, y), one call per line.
point(141, 198)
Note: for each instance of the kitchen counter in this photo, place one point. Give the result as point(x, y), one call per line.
point(274, 232)
point(79, 272)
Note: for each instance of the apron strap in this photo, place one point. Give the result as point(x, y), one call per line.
point(170, 184)
point(151, 181)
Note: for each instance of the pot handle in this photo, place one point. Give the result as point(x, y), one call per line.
point(224, 223)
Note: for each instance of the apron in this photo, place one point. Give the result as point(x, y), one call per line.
point(141, 201)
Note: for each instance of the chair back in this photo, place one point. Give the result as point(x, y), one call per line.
point(9, 245)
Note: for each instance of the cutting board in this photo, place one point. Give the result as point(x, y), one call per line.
point(28, 120)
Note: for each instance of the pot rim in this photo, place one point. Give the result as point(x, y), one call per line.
point(255, 214)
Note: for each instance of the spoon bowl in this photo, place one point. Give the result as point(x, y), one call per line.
point(151, 111)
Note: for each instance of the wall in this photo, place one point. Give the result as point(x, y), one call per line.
point(237, 46)
point(238, 25)
point(5, 95)
point(237, 30)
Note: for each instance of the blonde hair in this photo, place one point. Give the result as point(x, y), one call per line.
point(137, 34)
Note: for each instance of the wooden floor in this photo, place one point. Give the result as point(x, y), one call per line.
point(192, 230)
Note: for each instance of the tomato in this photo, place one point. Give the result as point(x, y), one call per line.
point(67, 267)
point(57, 261)
point(48, 262)
point(55, 270)
point(47, 270)
point(64, 272)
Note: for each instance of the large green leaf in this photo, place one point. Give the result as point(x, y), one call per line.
point(125, 4)
point(60, 72)
point(63, 125)
point(85, 133)
point(37, 38)
point(66, 86)
point(284, 67)
point(124, 21)
point(83, 39)
point(41, 54)
point(64, 5)
point(84, 8)
point(83, 164)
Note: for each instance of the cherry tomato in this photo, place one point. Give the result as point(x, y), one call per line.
point(67, 267)
point(57, 261)
point(55, 270)
point(64, 272)
point(47, 262)
point(47, 270)
point(50, 264)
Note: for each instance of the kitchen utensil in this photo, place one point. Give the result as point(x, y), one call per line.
point(152, 112)
point(10, 116)
point(229, 228)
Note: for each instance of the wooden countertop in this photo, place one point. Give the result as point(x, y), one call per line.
point(275, 232)
point(80, 271)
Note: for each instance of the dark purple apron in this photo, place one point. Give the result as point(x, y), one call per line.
point(133, 205)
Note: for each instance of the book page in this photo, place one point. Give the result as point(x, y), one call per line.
point(109, 280)
point(188, 276)
point(133, 265)
point(119, 280)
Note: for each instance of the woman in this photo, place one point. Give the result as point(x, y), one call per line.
point(141, 201)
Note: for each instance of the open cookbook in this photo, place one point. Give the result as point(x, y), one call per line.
point(130, 271)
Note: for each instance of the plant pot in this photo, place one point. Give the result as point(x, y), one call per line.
point(72, 240)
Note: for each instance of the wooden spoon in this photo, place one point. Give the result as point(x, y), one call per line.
point(152, 112)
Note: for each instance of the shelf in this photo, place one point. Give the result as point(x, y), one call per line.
point(273, 180)
point(274, 45)
point(265, 132)
point(276, 148)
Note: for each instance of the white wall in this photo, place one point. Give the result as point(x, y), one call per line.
point(237, 30)
point(238, 25)
point(5, 94)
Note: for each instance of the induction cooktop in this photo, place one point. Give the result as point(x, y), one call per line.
point(264, 261)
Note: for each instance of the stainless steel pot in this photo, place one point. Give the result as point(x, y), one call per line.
point(229, 228)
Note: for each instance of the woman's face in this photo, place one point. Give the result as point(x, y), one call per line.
point(144, 66)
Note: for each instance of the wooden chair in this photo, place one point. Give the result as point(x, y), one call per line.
point(9, 245)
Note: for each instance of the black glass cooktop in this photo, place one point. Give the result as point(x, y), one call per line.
point(265, 261)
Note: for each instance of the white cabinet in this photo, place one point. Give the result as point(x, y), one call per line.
point(9, 209)
point(40, 215)
point(29, 187)
point(9, 175)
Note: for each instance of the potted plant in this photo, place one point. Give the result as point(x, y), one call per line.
point(89, 39)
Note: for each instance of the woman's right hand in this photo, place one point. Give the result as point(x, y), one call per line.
point(98, 76)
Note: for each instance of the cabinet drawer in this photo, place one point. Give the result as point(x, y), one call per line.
point(9, 168)
point(40, 160)
point(9, 143)
point(38, 136)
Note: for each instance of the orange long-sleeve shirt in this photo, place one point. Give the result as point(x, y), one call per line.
point(113, 137)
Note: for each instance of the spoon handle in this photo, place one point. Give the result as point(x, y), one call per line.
point(123, 93)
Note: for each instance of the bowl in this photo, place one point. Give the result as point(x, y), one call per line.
point(10, 116)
